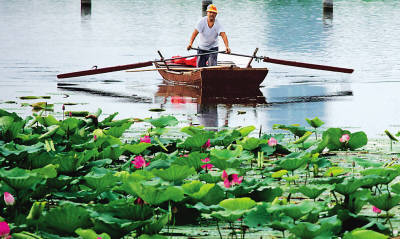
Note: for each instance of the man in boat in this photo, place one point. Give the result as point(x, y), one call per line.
point(209, 29)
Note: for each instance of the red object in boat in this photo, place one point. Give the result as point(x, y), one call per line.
point(185, 61)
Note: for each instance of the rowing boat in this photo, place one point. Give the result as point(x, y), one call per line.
point(213, 80)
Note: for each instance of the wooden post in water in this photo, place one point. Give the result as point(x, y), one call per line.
point(204, 5)
point(327, 6)
point(86, 7)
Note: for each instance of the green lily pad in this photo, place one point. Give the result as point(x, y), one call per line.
point(90, 234)
point(156, 110)
point(335, 171)
point(315, 123)
point(312, 191)
point(175, 173)
point(364, 234)
point(154, 195)
point(244, 131)
point(226, 153)
point(385, 201)
point(197, 189)
point(279, 174)
point(233, 204)
point(349, 185)
point(20, 179)
point(136, 148)
point(163, 121)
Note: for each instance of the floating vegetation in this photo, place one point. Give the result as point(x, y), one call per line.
point(34, 97)
point(79, 177)
point(10, 102)
point(156, 110)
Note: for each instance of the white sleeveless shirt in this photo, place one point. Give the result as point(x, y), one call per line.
point(208, 36)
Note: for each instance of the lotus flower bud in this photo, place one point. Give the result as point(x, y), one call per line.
point(9, 199)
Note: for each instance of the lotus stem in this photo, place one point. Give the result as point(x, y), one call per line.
point(390, 223)
point(219, 231)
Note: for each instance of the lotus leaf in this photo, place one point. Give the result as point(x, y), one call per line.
point(66, 218)
point(266, 194)
point(126, 209)
point(364, 234)
point(192, 160)
point(385, 201)
point(296, 211)
point(303, 138)
point(358, 199)
point(224, 164)
point(36, 210)
point(349, 186)
point(387, 174)
point(295, 129)
point(208, 178)
point(233, 204)
point(396, 188)
point(357, 140)
point(48, 171)
point(312, 191)
point(156, 225)
point(175, 173)
point(315, 123)
point(258, 217)
point(292, 164)
point(197, 189)
point(100, 179)
point(145, 236)
point(195, 142)
point(335, 171)
point(244, 131)
point(391, 137)
point(279, 174)
point(118, 131)
point(365, 163)
point(229, 216)
point(306, 230)
point(163, 121)
point(136, 148)
point(214, 196)
point(20, 179)
point(226, 153)
point(226, 137)
point(204, 208)
point(70, 124)
point(90, 234)
point(249, 143)
point(47, 121)
point(112, 152)
point(196, 130)
point(154, 195)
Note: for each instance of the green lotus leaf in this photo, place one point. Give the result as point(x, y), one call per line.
point(48, 171)
point(387, 174)
point(154, 195)
point(357, 140)
point(365, 163)
point(391, 137)
point(358, 199)
point(349, 186)
point(204, 208)
point(118, 131)
point(51, 131)
point(136, 148)
point(6, 122)
point(312, 191)
point(163, 121)
point(197, 189)
point(70, 124)
point(266, 194)
point(90, 234)
point(25, 235)
point(100, 179)
point(364, 234)
point(156, 225)
point(332, 135)
point(126, 209)
point(249, 143)
point(385, 201)
point(196, 130)
point(396, 188)
point(292, 164)
point(225, 164)
point(306, 230)
point(48, 121)
point(303, 138)
point(315, 123)
point(20, 179)
point(258, 217)
point(296, 211)
point(175, 173)
point(279, 174)
point(66, 218)
point(193, 160)
point(226, 153)
point(196, 142)
point(208, 178)
point(226, 137)
point(295, 129)
point(229, 216)
point(233, 204)
point(214, 196)
point(335, 171)
point(36, 210)
point(244, 131)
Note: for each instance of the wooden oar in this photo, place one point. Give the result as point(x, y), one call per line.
point(293, 63)
point(123, 67)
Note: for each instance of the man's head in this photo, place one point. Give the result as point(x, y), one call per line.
point(212, 12)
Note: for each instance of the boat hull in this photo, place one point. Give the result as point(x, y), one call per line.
point(216, 80)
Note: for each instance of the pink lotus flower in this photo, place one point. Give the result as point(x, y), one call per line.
point(4, 230)
point(207, 165)
point(145, 139)
point(139, 162)
point(272, 142)
point(9, 199)
point(70, 114)
point(94, 137)
point(376, 210)
point(207, 144)
point(345, 138)
point(63, 107)
point(231, 180)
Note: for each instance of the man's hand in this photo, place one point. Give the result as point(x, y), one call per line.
point(228, 50)
point(189, 47)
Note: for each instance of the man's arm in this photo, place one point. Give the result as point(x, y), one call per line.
point(194, 35)
point(225, 38)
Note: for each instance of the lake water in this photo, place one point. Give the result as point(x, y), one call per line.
point(42, 38)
